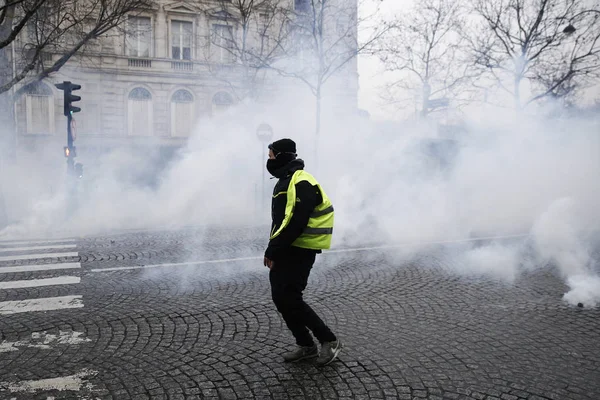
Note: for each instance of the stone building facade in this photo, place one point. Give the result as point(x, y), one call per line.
point(147, 83)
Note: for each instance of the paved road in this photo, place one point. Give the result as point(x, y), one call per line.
point(105, 318)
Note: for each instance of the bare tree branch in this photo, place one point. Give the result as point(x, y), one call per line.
point(252, 39)
point(61, 27)
point(19, 26)
point(427, 49)
point(331, 29)
point(528, 44)
point(325, 40)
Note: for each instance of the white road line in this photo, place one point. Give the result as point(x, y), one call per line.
point(457, 241)
point(72, 383)
point(39, 267)
point(61, 280)
point(29, 248)
point(38, 256)
point(45, 304)
point(327, 252)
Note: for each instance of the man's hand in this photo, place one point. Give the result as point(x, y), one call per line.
point(268, 263)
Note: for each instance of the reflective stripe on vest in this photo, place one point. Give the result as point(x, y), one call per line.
point(318, 231)
point(317, 214)
point(317, 234)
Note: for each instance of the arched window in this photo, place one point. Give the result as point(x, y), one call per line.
point(139, 115)
point(221, 102)
point(182, 113)
point(39, 103)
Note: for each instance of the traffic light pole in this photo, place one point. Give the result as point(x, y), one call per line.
point(68, 110)
point(70, 158)
point(74, 171)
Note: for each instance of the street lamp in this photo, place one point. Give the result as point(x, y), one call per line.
point(264, 132)
point(570, 29)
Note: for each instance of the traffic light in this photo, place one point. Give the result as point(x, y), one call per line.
point(69, 97)
point(70, 151)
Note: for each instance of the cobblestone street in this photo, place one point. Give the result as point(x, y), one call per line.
point(187, 314)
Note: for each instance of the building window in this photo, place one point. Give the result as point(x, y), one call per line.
point(40, 25)
point(181, 40)
point(139, 107)
point(39, 103)
point(221, 102)
point(263, 22)
point(222, 40)
point(263, 32)
point(182, 113)
point(301, 5)
point(139, 36)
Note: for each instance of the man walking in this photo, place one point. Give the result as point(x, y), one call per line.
point(302, 226)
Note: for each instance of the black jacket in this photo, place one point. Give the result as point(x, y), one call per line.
point(307, 198)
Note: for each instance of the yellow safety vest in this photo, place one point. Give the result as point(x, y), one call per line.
point(318, 232)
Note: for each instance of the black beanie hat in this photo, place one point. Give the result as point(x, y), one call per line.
point(283, 146)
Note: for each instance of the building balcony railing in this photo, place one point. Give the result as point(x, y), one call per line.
point(139, 63)
point(182, 65)
point(170, 66)
point(158, 66)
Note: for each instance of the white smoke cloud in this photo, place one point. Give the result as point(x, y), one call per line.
point(585, 290)
point(507, 175)
point(564, 236)
point(495, 261)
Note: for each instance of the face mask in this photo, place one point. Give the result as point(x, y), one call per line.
point(280, 161)
point(273, 165)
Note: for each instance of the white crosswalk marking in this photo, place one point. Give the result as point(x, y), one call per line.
point(46, 304)
point(35, 242)
point(37, 248)
point(74, 382)
point(38, 267)
point(42, 270)
point(44, 341)
point(61, 280)
point(37, 256)
point(48, 254)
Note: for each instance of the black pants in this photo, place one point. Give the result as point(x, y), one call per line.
point(289, 277)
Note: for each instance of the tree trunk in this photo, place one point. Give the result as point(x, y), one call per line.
point(7, 149)
point(425, 105)
point(317, 125)
point(517, 98)
point(7, 133)
point(318, 114)
point(7, 128)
